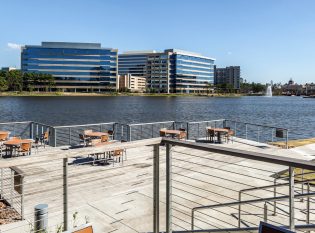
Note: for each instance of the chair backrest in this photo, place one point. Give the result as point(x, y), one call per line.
point(182, 135)
point(26, 146)
point(104, 138)
point(182, 129)
point(36, 140)
point(110, 132)
point(46, 135)
point(118, 152)
point(81, 136)
point(226, 127)
point(87, 131)
point(3, 137)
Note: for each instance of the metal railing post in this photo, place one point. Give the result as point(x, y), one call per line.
point(187, 130)
point(156, 189)
point(235, 129)
point(246, 131)
point(152, 131)
point(129, 133)
point(258, 134)
point(65, 194)
point(168, 188)
point(287, 140)
point(70, 136)
point(274, 195)
point(22, 197)
point(55, 137)
point(272, 130)
point(31, 130)
point(308, 205)
point(198, 131)
point(239, 209)
point(291, 199)
point(11, 186)
point(265, 212)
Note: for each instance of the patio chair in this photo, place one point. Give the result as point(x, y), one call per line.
point(118, 156)
point(182, 135)
point(229, 135)
point(211, 135)
point(85, 140)
point(111, 134)
point(3, 138)
point(44, 138)
point(25, 148)
point(104, 138)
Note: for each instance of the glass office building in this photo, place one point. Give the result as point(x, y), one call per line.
point(190, 72)
point(75, 66)
point(133, 62)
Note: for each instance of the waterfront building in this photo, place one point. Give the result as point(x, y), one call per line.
point(230, 75)
point(133, 62)
point(131, 83)
point(74, 66)
point(8, 68)
point(310, 89)
point(292, 88)
point(170, 71)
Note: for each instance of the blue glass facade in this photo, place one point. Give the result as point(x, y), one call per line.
point(133, 63)
point(190, 72)
point(79, 66)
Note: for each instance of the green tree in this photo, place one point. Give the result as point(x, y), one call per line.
point(14, 80)
point(3, 84)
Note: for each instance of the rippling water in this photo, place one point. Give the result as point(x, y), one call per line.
point(295, 113)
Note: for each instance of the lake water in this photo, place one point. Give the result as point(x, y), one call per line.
point(295, 113)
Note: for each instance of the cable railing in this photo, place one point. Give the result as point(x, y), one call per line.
point(200, 183)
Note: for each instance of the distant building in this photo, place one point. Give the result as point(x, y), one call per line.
point(228, 75)
point(134, 63)
point(171, 71)
point(75, 66)
point(8, 68)
point(309, 89)
point(292, 88)
point(131, 83)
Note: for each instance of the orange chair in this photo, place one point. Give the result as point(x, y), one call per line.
point(229, 135)
point(118, 156)
point(3, 137)
point(162, 132)
point(104, 138)
point(182, 135)
point(25, 148)
point(88, 229)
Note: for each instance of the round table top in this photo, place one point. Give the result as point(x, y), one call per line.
point(15, 142)
point(4, 132)
point(218, 129)
point(95, 134)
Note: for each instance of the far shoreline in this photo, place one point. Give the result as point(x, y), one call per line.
point(96, 94)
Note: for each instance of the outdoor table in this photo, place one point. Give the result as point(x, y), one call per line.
point(4, 132)
point(95, 134)
point(219, 132)
point(172, 132)
point(12, 144)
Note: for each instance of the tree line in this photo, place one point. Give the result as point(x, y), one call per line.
point(16, 80)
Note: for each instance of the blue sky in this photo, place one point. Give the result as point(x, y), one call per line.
point(269, 39)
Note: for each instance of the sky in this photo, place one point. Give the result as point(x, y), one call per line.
point(269, 39)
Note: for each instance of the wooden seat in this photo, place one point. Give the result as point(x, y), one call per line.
point(104, 138)
point(162, 132)
point(3, 137)
point(25, 148)
point(182, 135)
point(44, 138)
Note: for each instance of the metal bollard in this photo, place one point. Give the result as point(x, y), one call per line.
point(41, 218)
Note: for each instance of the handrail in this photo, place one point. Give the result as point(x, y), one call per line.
point(71, 126)
point(195, 122)
point(291, 162)
point(237, 203)
point(18, 122)
point(261, 125)
point(152, 123)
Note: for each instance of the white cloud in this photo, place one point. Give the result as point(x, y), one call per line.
point(14, 46)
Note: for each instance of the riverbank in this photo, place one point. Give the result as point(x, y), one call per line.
point(114, 94)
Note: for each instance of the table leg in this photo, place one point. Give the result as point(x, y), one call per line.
point(219, 137)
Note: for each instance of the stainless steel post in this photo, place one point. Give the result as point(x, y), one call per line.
point(246, 131)
point(11, 186)
point(65, 194)
point(274, 195)
point(287, 140)
point(70, 135)
point(239, 209)
point(308, 205)
point(22, 197)
point(265, 212)
point(156, 189)
point(258, 134)
point(291, 198)
point(272, 130)
point(55, 137)
point(168, 188)
point(187, 130)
